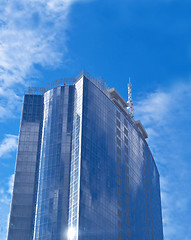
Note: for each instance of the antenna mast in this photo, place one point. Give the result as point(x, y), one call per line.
point(130, 101)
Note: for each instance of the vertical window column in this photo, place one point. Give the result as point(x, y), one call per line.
point(127, 191)
point(119, 174)
point(148, 199)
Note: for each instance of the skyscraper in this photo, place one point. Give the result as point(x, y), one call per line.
point(84, 170)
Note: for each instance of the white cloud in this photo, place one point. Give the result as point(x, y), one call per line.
point(6, 193)
point(10, 103)
point(5, 201)
point(32, 32)
point(28, 37)
point(8, 145)
point(154, 107)
point(160, 108)
point(10, 184)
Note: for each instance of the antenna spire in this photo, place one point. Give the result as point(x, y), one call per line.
point(130, 101)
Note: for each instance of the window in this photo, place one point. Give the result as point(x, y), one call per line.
point(126, 140)
point(126, 131)
point(128, 221)
point(119, 171)
point(119, 202)
point(118, 114)
point(119, 160)
point(119, 213)
point(127, 189)
point(120, 236)
point(126, 150)
point(127, 199)
point(128, 232)
point(119, 224)
point(125, 123)
point(119, 181)
point(126, 159)
point(128, 210)
point(118, 132)
point(119, 151)
point(118, 123)
point(126, 169)
point(127, 179)
point(119, 142)
point(119, 192)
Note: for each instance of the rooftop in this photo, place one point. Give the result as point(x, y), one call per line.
point(112, 93)
point(68, 81)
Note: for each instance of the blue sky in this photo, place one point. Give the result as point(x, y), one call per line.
point(44, 40)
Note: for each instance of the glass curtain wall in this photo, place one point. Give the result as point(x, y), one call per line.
point(98, 202)
point(21, 223)
point(119, 182)
point(53, 189)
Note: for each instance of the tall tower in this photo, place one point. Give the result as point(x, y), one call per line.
point(84, 170)
point(130, 101)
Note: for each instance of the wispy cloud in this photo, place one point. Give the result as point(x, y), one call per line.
point(5, 200)
point(166, 116)
point(8, 145)
point(10, 184)
point(31, 33)
point(154, 107)
point(162, 107)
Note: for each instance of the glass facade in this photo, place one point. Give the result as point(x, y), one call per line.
point(53, 183)
point(84, 169)
point(23, 205)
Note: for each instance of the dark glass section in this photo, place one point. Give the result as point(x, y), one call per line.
point(32, 108)
point(25, 184)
